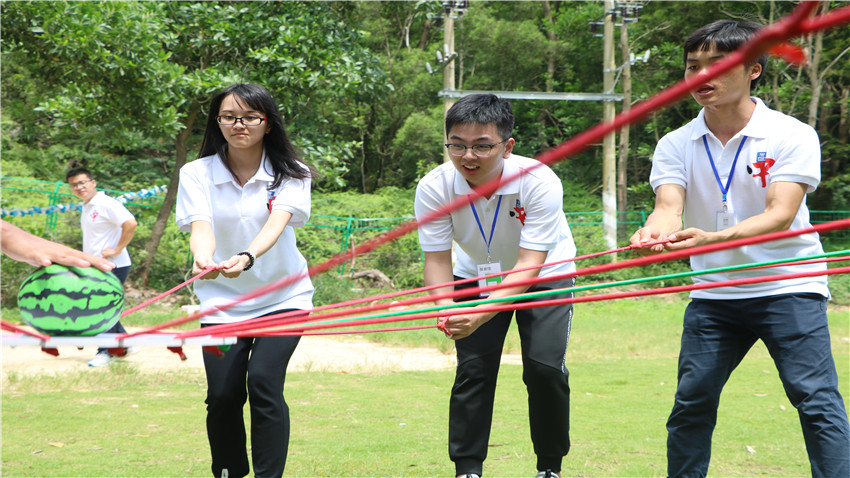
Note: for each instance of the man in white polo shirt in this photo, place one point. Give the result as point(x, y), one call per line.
point(107, 228)
point(520, 225)
point(741, 170)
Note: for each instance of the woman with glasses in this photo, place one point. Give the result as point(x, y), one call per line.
point(241, 200)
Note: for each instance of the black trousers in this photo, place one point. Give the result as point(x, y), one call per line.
point(544, 335)
point(253, 369)
point(121, 273)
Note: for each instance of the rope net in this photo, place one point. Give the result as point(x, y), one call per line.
point(349, 314)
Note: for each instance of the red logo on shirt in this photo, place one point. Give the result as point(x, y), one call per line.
point(520, 214)
point(763, 165)
point(94, 215)
point(271, 196)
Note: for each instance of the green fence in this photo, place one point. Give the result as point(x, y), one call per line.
point(55, 197)
point(342, 233)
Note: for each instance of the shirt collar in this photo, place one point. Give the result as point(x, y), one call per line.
point(757, 127)
point(221, 174)
point(510, 169)
point(86, 203)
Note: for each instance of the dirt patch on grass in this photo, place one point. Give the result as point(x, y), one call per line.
point(321, 354)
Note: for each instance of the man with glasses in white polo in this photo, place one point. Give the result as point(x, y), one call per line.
point(520, 225)
point(107, 228)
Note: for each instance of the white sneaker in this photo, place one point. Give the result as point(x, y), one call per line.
point(130, 350)
point(101, 359)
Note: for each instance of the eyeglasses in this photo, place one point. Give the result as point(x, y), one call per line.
point(456, 149)
point(245, 120)
point(80, 184)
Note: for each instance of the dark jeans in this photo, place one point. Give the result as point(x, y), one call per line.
point(253, 369)
point(544, 334)
point(717, 335)
point(121, 273)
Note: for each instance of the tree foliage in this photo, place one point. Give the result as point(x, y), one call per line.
point(122, 87)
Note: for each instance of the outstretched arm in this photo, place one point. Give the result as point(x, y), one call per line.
point(782, 202)
point(25, 247)
point(463, 325)
point(266, 238)
point(665, 219)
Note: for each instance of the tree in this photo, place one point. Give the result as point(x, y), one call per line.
point(151, 67)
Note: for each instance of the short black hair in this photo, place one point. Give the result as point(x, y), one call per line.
point(76, 172)
point(483, 108)
point(725, 36)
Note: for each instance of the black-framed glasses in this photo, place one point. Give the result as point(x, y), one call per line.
point(245, 120)
point(456, 149)
point(80, 184)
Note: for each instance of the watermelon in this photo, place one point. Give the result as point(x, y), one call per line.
point(61, 300)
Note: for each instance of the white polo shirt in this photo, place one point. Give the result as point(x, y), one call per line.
point(531, 215)
point(778, 148)
point(209, 193)
point(101, 222)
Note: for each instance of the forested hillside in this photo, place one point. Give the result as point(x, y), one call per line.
point(122, 89)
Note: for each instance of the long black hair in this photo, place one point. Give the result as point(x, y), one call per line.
point(283, 158)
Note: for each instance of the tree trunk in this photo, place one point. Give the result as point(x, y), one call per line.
point(423, 40)
point(170, 196)
point(550, 34)
point(623, 159)
point(843, 124)
point(815, 76)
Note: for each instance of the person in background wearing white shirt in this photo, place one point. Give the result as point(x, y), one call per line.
point(521, 225)
point(241, 200)
point(108, 228)
point(741, 170)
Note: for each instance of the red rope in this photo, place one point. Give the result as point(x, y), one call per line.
point(765, 38)
point(337, 332)
point(14, 328)
point(790, 26)
point(299, 316)
point(552, 302)
point(171, 291)
point(637, 262)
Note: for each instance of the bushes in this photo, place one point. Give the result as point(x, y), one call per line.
point(344, 220)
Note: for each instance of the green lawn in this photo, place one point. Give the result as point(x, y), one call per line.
point(622, 361)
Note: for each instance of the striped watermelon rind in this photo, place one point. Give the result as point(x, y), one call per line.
point(60, 300)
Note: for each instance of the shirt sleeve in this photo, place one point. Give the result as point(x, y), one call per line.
point(798, 157)
point(438, 234)
point(668, 163)
point(193, 202)
point(117, 213)
point(544, 213)
point(293, 196)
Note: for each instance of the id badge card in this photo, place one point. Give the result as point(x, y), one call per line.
point(724, 219)
point(487, 269)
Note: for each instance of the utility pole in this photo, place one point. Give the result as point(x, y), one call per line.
point(452, 10)
point(609, 166)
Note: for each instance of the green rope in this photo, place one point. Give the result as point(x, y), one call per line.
point(534, 295)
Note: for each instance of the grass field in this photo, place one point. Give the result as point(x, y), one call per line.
point(622, 361)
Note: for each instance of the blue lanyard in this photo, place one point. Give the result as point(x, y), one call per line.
point(492, 228)
point(723, 189)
